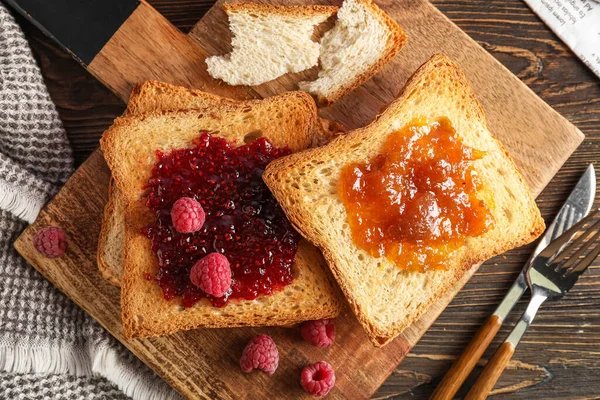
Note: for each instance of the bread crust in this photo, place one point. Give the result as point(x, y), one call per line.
point(110, 268)
point(130, 150)
point(151, 96)
point(291, 11)
point(299, 168)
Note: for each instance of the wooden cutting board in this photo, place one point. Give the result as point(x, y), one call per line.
point(204, 363)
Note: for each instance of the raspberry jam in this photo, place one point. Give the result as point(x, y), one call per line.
point(419, 199)
point(244, 222)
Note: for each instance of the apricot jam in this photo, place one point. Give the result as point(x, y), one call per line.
point(243, 220)
point(417, 201)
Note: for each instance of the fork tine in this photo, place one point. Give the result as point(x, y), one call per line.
point(586, 262)
point(554, 246)
point(573, 245)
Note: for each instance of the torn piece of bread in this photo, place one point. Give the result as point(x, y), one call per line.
point(268, 41)
point(362, 41)
point(385, 298)
point(152, 96)
point(130, 147)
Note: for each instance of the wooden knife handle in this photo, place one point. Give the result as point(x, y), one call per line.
point(461, 369)
point(492, 371)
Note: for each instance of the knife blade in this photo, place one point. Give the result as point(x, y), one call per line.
point(81, 27)
point(578, 205)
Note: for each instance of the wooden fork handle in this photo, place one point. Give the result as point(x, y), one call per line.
point(492, 371)
point(461, 369)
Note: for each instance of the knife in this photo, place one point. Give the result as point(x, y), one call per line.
point(578, 205)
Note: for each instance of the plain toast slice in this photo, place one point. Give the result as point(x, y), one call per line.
point(130, 147)
point(362, 41)
point(268, 42)
point(385, 298)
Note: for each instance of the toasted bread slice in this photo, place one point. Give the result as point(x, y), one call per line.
point(268, 42)
point(362, 41)
point(385, 298)
point(152, 96)
point(130, 147)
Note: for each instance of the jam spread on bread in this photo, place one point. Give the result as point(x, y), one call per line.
point(419, 199)
point(243, 221)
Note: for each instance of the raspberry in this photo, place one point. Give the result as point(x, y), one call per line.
point(320, 333)
point(187, 215)
point(50, 242)
point(212, 274)
point(260, 353)
point(317, 379)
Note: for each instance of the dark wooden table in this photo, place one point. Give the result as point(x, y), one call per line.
point(559, 356)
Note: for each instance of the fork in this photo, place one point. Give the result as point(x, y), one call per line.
point(550, 276)
point(578, 205)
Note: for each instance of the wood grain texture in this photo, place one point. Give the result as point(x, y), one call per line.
point(147, 46)
point(559, 354)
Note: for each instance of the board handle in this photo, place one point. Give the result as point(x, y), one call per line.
point(147, 46)
point(462, 367)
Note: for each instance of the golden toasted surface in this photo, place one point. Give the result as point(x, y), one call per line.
point(111, 240)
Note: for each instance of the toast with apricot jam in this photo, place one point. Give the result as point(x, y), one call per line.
point(385, 295)
point(130, 147)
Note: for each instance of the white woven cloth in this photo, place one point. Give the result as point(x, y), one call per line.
point(49, 347)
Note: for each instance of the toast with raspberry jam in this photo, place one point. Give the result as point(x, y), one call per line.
point(152, 96)
point(130, 147)
point(149, 96)
point(385, 296)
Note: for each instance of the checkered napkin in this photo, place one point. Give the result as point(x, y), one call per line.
point(49, 347)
